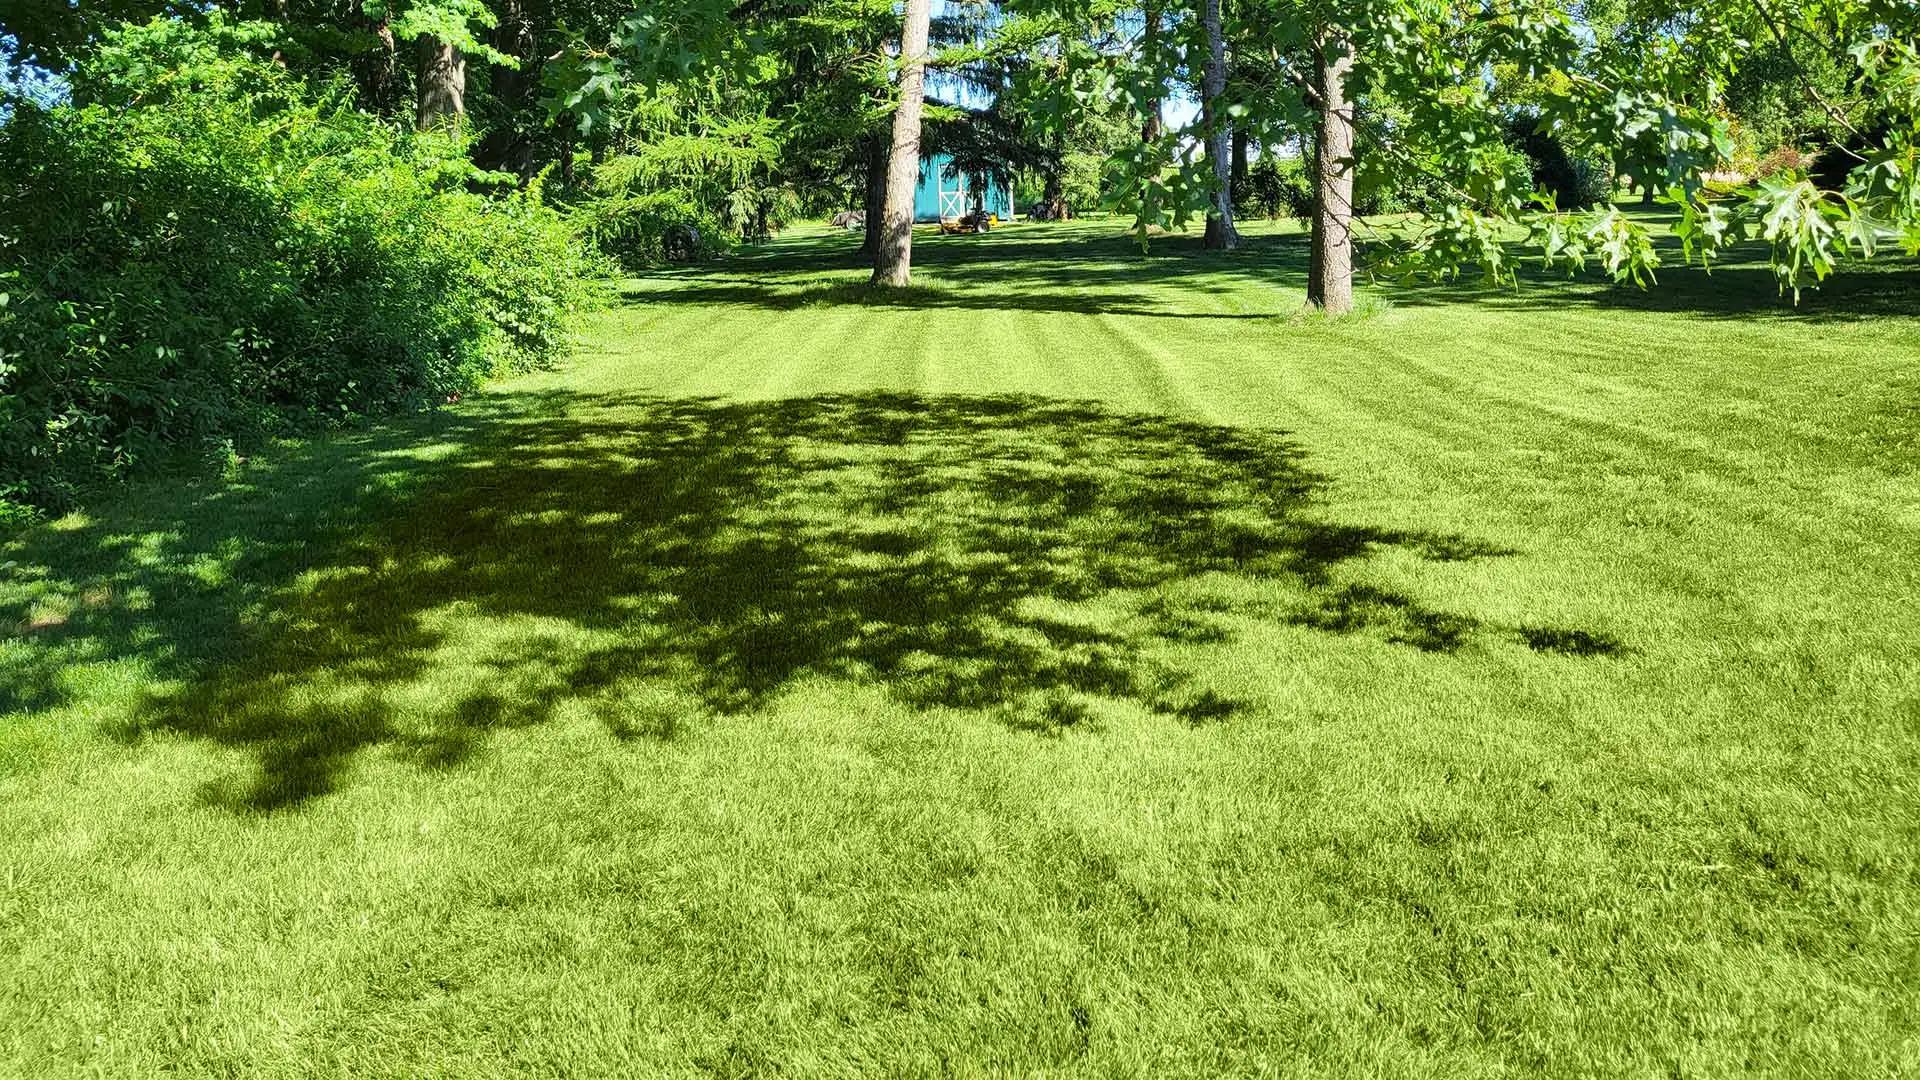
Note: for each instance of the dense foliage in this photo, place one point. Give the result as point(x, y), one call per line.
point(199, 250)
point(1654, 88)
point(1279, 185)
point(1276, 187)
point(1574, 181)
point(684, 172)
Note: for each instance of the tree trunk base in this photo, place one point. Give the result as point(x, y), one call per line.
point(1220, 236)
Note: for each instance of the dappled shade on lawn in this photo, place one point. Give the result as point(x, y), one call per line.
point(653, 560)
point(1028, 268)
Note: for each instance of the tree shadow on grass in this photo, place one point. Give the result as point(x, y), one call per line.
point(648, 561)
point(1038, 267)
point(773, 295)
point(1032, 268)
point(1740, 287)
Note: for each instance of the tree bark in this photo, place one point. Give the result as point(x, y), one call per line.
point(277, 11)
point(874, 206)
point(1330, 281)
point(568, 132)
point(440, 91)
point(1237, 177)
point(376, 72)
point(509, 147)
point(1150, 120)
point(1054, 195)
point(1149, 42)
point(1220, 235)
point(893, 259)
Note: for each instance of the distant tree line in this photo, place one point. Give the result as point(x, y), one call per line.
point(222, 219)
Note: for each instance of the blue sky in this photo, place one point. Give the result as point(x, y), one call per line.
point(30, 82)
point(1176, 112)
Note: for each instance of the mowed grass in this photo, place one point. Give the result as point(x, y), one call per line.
point(1078, 666)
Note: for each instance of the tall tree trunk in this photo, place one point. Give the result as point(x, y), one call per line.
point(277, 11)
point(1150, 119)
point(1149, 44)
point(440, 88)
point(1220, 234)
point(568, 129)
point(1330, 282)
point(893, 260)
point(376, 72)
point(874, 206)
point(1237, 178)
point(509, 147)
point(1312, 153)
point(1054, 195)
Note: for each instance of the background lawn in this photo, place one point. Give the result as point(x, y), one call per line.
point(1080, 665)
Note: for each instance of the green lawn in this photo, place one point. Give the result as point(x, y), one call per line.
point(1081, 665)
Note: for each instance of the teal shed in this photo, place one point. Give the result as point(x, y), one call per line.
point(946, 192)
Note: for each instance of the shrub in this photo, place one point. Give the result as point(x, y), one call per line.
point(1575, 182)
point(755, 212)
point(200, 249)
point(1383, 185)
point(1082, 183)
point(637, 230)
point(1277, 187)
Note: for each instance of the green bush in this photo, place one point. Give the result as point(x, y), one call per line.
point(1382, 185)
point(1575, 182)
point(1277, 187)
point(200, 250)
point(637, 230)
